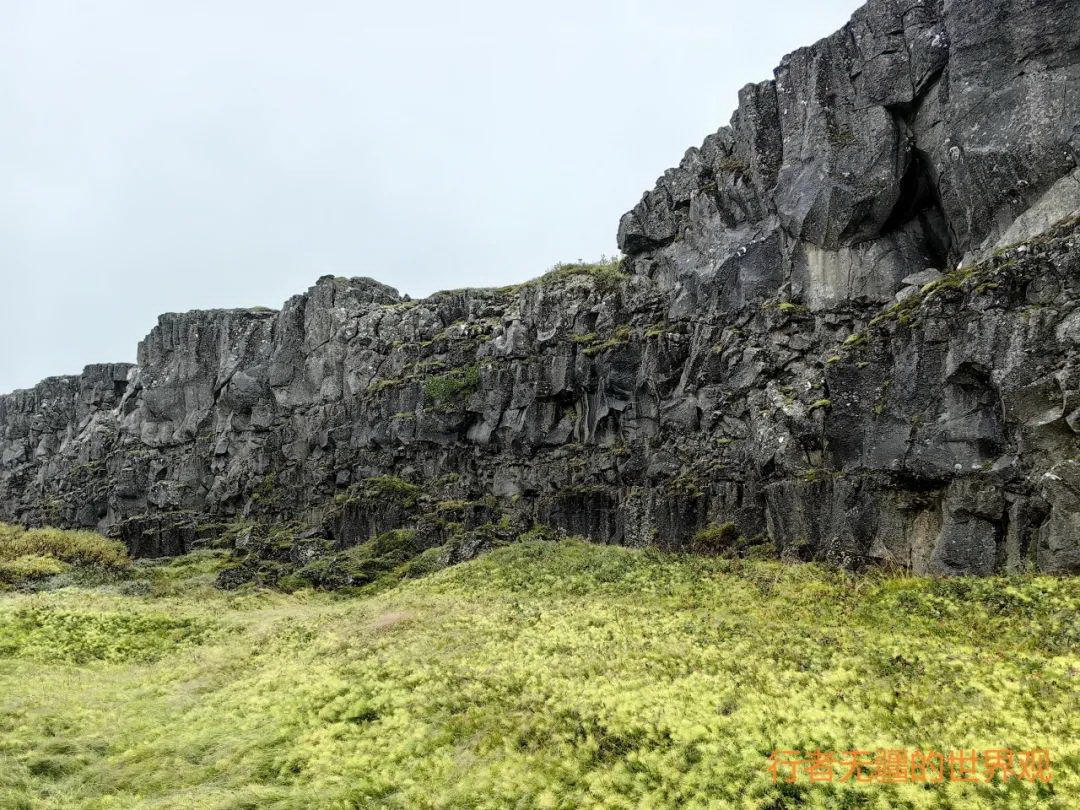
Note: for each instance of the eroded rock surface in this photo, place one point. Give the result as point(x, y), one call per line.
point(788, 347)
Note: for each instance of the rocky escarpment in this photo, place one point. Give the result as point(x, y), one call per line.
point(845, 329)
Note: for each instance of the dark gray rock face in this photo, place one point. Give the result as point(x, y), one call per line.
point(914, 136)
point(785, 349)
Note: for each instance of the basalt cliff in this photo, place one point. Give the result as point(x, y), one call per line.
point(846, 328)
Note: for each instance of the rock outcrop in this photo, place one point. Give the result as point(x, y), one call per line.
point(786, 358)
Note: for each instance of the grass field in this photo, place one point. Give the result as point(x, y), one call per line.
point(543, 675)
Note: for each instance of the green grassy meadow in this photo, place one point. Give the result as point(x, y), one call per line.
point(542, 675)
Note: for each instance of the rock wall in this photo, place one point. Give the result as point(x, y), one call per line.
point(772, 365)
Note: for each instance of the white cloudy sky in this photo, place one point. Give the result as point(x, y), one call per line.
point(163, 156)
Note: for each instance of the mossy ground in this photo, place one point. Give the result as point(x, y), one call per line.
point(541, 675)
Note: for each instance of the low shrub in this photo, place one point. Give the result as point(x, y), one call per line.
point(606, 274)
point(390, 486)
point(29, 568)
point(715, 538)
point(453, 385)
point(392, 556)
point(80, 548)
point(29, 557)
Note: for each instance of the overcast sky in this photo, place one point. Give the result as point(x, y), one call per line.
point(164, 156)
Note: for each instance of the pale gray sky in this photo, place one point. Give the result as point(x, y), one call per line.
point(163, 156)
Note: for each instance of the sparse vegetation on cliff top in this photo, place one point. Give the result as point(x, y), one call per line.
point(606, 273)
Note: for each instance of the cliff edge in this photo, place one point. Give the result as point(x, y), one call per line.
point(846, 328)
